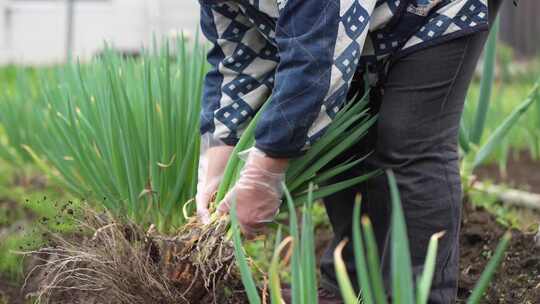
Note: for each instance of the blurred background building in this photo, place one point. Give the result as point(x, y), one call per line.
point(47, 31)
point(38, 31)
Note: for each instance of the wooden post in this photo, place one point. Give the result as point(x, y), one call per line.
point(520, 26)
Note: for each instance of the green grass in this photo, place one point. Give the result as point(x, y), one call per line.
point(26, 222)
point(8, 75)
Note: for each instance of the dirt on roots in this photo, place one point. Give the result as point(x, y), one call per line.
point(121, 264)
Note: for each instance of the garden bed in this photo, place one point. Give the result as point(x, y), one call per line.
point(522, 172)
point(517, 280)
point(10, 293)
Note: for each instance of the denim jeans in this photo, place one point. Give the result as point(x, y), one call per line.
point(419, 104)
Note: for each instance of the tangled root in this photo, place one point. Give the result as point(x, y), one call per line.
point(199, 258)
point(122, 264)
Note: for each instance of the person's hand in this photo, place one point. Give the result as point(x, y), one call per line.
point(257, 192)
point(212, 163)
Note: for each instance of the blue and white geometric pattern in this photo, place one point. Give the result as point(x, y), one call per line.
point(355, 17)
point(394, 4)
point(269, 52)
point(234, 31)
point(348, 61)
point(384, 43)
point(234, 114)
point(355, 20)
point(240, 59)
point(434, 28)
point(240, 86)
point(471, 14)
point(248, 65)
point(281, 4)
point(336, 101)
point(228, 11)
point(463, 16)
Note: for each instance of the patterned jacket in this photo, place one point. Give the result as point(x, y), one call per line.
point(304, 53)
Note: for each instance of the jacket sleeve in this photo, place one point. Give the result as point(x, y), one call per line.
point(242, 72)
point(319, 44)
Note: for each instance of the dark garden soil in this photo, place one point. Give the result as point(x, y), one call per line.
point(522, 172)
point(516, 281)
point(15, 214)
point(9, 293)
point(7, 212)
point(32, 182)
point(518, 278)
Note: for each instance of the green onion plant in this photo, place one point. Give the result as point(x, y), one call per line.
point(348, 127)
point(124, 132)
point(18, 114)
point(476, 148)
point(403, 289)
point(371, 289)
point(121, 131)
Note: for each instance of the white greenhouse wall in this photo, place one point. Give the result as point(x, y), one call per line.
point(34, 31)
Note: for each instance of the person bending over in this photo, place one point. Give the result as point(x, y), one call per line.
point(418, 57)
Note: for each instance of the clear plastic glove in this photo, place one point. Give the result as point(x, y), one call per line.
point(212, 163)
point(257, 192)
